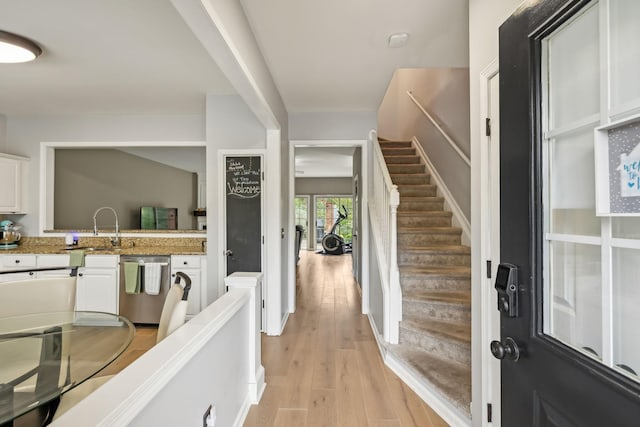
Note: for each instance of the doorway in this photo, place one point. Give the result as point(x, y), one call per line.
point(361, 164)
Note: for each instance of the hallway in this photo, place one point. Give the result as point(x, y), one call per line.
point(325, 369)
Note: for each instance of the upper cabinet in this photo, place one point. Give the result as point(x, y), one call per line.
point(13, 176)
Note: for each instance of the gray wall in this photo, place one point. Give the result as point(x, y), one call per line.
point(25, 133)
point(324, 186)
point(88, 179)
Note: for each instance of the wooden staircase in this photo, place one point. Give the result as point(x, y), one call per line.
point(435, 276)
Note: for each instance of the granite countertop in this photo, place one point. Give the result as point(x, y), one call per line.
point(136, 250)
point(102, 246)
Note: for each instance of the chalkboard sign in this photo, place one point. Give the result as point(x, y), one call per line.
point(243, 185)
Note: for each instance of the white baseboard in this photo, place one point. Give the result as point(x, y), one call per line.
point(242, 414)
point(284, 323)
point(444, 409)
point(459, 220)
point(379, 338)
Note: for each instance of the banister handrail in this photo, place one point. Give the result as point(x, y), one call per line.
point(441, 130)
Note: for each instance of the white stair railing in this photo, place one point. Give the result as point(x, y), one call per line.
point(383, 208)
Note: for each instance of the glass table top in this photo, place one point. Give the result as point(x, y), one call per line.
point(44, 355)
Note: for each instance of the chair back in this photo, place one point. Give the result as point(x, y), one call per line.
point(31, 296)
point(174, 311)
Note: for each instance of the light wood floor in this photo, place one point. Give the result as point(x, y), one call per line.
point(325, 369)
point(143, 340)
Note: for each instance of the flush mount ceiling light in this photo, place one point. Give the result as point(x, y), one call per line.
point(14, 49)
point(398, 39)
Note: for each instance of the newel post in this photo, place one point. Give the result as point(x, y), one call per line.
point(252, 282)
point(395, 315)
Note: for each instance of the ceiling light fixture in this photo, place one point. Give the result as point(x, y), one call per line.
point(398, 39)
point(14, 49)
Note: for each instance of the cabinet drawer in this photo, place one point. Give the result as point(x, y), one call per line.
point(18, 261)
point(45, 261)
point(101, 261)
point(186, 261)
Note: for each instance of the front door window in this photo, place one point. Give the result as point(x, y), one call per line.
point(591, 262)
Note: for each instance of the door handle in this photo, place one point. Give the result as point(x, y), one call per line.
point(228, 253)
point(507, 349)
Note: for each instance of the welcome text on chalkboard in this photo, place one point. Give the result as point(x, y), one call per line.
point(243, 178)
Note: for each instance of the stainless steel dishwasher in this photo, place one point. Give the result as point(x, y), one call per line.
point(143, 308)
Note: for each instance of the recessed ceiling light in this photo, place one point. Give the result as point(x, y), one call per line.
point(14, 49)
point(398, 39)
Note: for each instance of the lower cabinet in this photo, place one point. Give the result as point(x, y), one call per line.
point(97, 286)
point(194, 267)
point(17, 262)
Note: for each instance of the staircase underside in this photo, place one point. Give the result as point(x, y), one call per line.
point(435, 276)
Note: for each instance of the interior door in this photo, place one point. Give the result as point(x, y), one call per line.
point(568, 355)
point(243, 189)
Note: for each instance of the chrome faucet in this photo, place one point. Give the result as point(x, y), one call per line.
point(115, 240)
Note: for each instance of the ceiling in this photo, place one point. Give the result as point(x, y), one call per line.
point(332, 55)
point(139, 57)
point(124, 56)
point(106, 56)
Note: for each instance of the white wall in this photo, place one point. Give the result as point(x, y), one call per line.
point(207, 361)
point(444, 92)
point(484, 19)
point(229, 125)
point(3, 134)
point(25, 133)
point(327, 126)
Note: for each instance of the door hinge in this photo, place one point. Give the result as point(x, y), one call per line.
point(487, 126)
point(489, 412)
point(262, 303)
point(263, 240)
point(262, 173)
point(488, 269)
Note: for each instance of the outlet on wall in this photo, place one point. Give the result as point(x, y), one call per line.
point(209, 417)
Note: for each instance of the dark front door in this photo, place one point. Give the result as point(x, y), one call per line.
point(570, 356)
point(243, 189)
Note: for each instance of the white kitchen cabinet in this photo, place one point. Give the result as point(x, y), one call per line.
point(97, 286)
point(17, 262)
point(50, 261)
point(13, 176)
point(193, 266)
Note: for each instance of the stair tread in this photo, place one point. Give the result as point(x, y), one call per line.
point(441, 230)
point(460, 297)
point(421, 198)
point(456, 331)
point(445, 270)
point(425, 213)
point(452, 380)
point(454, 249)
